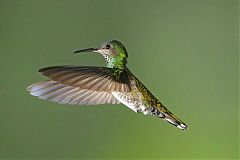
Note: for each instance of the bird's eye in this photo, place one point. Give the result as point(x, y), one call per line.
point(108, 46)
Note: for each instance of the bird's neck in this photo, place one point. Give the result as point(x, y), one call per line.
point(116, 62)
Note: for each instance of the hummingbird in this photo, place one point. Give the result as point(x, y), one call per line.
point(92, 85)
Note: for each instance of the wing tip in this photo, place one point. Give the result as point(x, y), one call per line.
point(48, 68)
point(30, 88)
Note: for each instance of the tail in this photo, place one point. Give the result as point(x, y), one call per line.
point(170, 117)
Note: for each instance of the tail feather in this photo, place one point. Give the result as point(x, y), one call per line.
point(162, 112)
point(175, 121)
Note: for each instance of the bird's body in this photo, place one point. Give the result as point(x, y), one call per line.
point(141, 100)
point(113, 84)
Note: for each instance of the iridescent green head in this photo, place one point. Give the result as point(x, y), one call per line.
point(113, 51)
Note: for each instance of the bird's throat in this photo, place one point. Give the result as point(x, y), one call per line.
point(115, 62)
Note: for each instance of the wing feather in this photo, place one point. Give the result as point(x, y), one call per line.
point(61, 93)
point(91, 78)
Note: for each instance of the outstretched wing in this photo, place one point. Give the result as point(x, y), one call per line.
point(61, 93)
point(99, 79)
point(81, 85)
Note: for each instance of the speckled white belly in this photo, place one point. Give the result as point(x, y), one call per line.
point(131, 102)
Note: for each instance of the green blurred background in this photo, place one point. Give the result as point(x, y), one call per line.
point(184, 51)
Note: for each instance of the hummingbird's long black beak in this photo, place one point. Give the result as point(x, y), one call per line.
point(87, 50)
